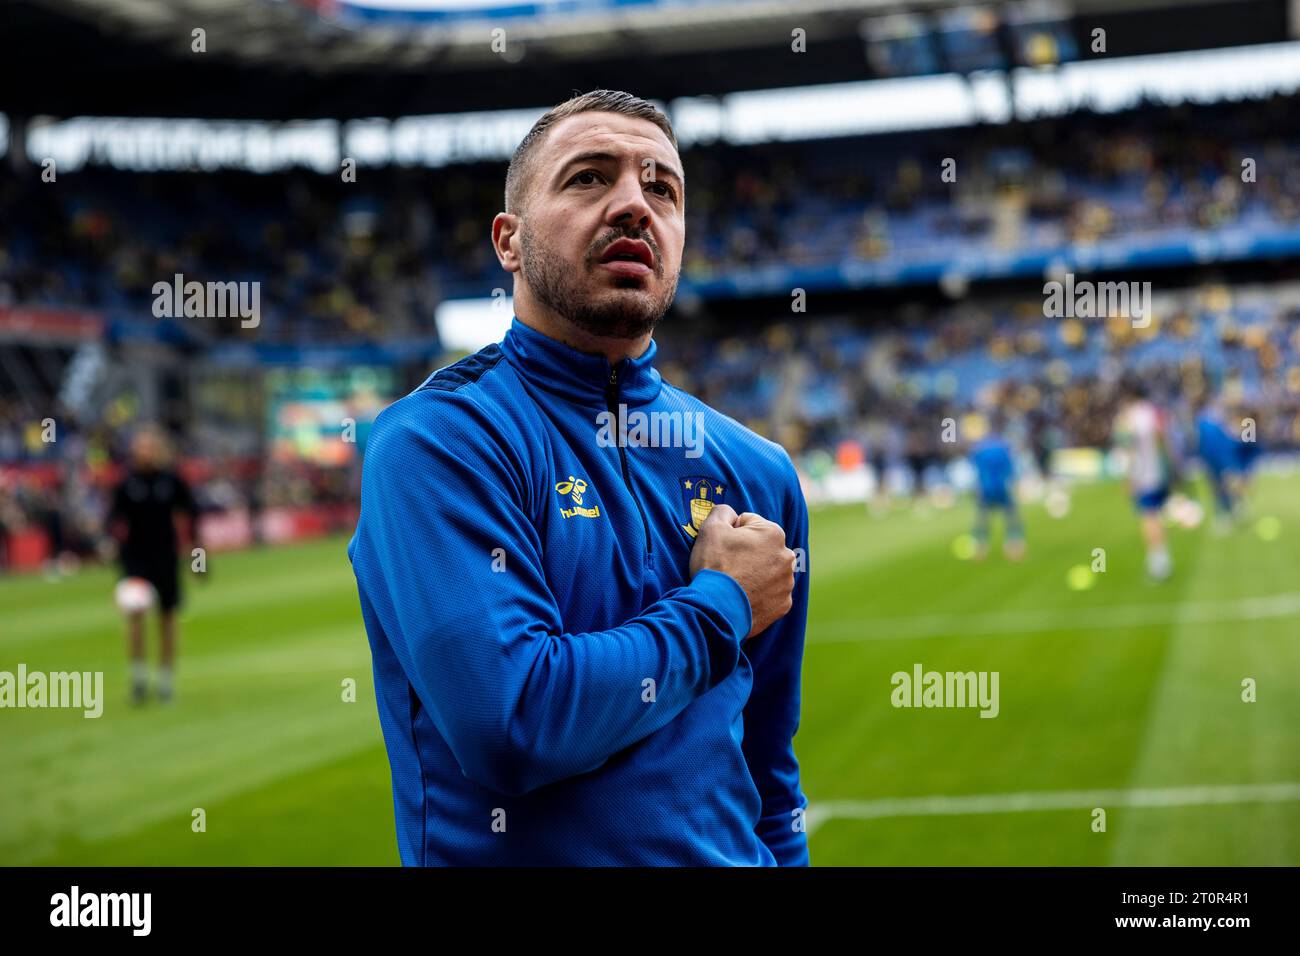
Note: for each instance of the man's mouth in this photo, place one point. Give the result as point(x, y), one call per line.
point(629, 257)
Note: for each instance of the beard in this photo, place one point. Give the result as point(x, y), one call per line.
point(611, 313)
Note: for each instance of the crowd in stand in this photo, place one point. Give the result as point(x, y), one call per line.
point(367, 260)
point(888, 386)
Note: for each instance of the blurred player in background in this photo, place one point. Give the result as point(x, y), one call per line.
point(141, 520)
point(1248, 448)
point(1141, 430)
point(1218, 452)
point(918, 459)
point(995, 472)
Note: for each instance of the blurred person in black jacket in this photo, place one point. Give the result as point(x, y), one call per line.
point(141, 519)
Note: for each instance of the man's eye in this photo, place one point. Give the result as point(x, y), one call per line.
point(585, 172)
point(667, 190)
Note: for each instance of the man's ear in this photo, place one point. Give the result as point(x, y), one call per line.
point(505, 228)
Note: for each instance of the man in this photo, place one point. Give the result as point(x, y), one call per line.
point(1218, 453)
point(141, 520)
point(1141, 430)
point(586, 649)
point(995, 472)
point(1248, 449)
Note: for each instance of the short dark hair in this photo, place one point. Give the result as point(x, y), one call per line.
point(520, 174)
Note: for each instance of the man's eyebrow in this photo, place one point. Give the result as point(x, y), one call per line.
point(597, 156)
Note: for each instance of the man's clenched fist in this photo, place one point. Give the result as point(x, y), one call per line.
point(752, 550)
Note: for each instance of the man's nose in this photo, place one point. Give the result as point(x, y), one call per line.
point(628, 203)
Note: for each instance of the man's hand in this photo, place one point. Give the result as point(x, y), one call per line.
point(752, 550)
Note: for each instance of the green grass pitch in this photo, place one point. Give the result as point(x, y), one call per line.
point(1125, 687)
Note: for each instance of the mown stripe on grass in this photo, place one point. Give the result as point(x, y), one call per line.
point(117, 793)
point(1263, 607)
point(974, 804)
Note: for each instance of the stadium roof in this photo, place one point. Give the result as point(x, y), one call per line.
point(272, 59)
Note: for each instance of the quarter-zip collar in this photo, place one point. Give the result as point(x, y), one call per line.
point(580, 377)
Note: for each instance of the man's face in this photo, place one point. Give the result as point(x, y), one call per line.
point(600, 178)
point(147, 450)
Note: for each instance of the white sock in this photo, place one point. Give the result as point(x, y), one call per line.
point(139, 673)
point(1159, 564)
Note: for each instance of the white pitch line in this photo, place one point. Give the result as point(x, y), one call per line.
point(1057, 619)
point(819, 813)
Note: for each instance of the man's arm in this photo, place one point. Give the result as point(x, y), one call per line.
point(115, 520)
point(449, 562)
point(772, 713)
point(189, 510)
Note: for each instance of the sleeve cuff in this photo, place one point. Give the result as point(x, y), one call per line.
point(725, 593)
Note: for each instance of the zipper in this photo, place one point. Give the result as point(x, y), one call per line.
point(611, 403)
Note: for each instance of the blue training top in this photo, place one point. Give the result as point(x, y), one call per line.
point(553, 687)
point(994, 469)
point(1213, 443)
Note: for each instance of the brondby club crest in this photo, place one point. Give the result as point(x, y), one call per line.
point(700, 494)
